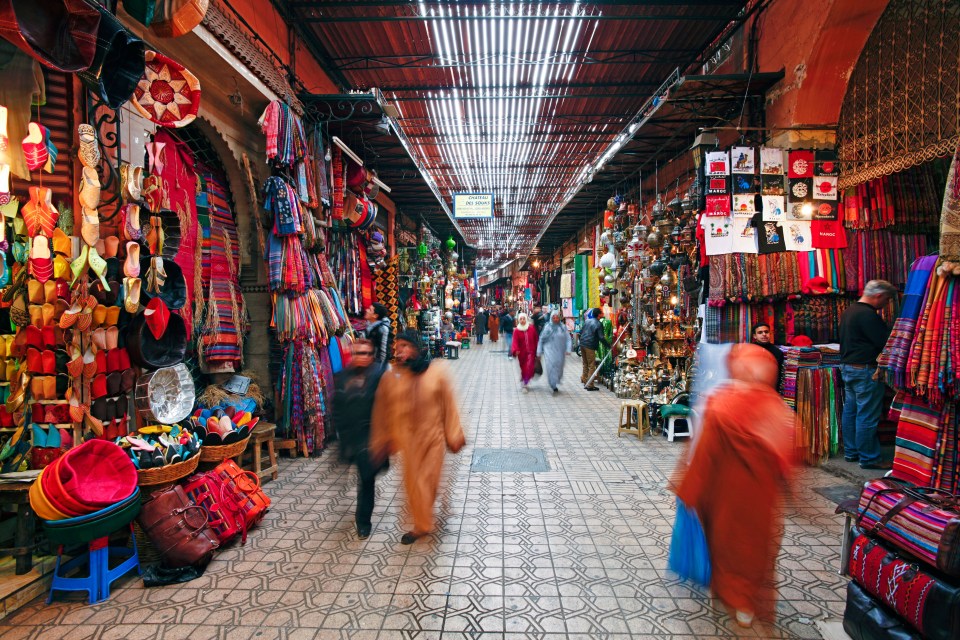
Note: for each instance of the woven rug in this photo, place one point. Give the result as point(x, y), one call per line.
point(950, 214)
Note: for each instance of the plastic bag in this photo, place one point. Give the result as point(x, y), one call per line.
point(689, 554)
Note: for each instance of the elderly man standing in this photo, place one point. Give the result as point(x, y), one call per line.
point(863, 334)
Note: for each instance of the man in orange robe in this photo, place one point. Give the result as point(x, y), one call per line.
point(415, 414)
point(738, 473)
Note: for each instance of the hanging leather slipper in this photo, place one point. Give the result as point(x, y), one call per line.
point(89, 189)
point(34, 146)
point(90, 226)
point(89, 146)
point(60, 34)
point(41, 260)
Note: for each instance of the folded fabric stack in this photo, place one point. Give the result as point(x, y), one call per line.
point(795, 359)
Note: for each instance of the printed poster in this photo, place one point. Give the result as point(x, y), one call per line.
point(744, 205)
point(772, 185)
point(826, 163)
point(824, 188)
point(773, 208)
point(718, 163)
point(717, 206)
point(743, 183)
point(744, 236)
point(826, 210)
point(801, 188)
point(797, 236)
point(800, 210)
point(718, 235)
point(718, 185)
point(771, 161)
point(742, 160)
point(800, 163)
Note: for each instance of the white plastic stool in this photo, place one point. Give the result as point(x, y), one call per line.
point(672, 426)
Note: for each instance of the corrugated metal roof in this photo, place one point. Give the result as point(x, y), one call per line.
point(513, 97)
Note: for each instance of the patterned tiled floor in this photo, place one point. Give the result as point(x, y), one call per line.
point(579, 551)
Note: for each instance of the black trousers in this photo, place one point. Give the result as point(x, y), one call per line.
point(365, 490)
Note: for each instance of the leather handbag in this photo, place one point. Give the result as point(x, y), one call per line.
point(924, 600)
point(923, 523)
point(245, 488)
point(208, 491)
point(178, 528)
point(866, 619)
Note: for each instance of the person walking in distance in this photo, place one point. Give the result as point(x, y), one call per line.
point(506, 326)
point(415, 414)
point(493, 324)
point(480, 325)
point(763, 337)
point(379, 331)
point(863, 334)
point(553, 347)
point(354, 390)
point(540, 319)
point(591, 337)
point(524, 347)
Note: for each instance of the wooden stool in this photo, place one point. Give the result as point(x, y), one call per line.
point(637, 426)
point(263, 433)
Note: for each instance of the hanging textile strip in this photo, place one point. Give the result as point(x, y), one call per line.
point(282, 203)
point(893, 360)
point(286, 142)
point(916, 445)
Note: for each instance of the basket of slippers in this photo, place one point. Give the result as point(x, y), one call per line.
point(224, 430)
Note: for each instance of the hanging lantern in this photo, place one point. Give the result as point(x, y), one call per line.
point(422, 249)
point(451, 243)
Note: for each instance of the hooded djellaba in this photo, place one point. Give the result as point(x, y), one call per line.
point(415, 415)
point(738, 473)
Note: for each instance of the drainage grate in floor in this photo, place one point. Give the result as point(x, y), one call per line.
point(509, 461)
point(839, 493)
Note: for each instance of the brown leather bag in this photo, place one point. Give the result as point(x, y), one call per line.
point(178, 528)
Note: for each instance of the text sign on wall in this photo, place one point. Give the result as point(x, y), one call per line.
point(472, 205)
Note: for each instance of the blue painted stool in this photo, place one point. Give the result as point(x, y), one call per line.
point(94, 530)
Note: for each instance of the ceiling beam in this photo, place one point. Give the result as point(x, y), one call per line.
point(352, 4)
point(665, 17)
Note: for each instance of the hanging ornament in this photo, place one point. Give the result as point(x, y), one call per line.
point(422, 249)
point(451, 243)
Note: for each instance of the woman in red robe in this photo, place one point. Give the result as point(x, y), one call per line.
point(525, 348)
point(738, 473)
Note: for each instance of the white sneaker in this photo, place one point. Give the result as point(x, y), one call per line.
point(525, 390)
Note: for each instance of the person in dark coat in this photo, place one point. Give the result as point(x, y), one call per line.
point(354, 391)
point(379, 331)
point(480, 325)
point(540, 319)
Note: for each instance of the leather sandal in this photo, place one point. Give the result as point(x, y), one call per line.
point(79, 264)
point(99, 267)
point(89, 147)
point(131, 267)
point(132, 288)
point(89, 194)
point(41, 260)
point(90, 226)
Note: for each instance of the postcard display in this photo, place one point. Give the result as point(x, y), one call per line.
point(782, 249)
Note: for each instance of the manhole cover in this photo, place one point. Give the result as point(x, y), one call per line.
point(839, 493)
point(509, 461)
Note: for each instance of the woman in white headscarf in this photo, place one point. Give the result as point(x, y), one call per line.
point(554, 346)
point(524, 347)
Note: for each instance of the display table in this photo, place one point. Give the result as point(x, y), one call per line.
point(16, 493)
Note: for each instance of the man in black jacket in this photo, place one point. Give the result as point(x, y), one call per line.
point(379, 331)
point(507, 323)
point(591, 337)
point(354, 390)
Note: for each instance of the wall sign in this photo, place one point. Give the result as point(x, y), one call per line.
point(472, 205)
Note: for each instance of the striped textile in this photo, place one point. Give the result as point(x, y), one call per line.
point(919, 529)
point(917, 434)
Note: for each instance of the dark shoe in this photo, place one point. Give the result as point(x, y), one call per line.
point(851, 459)
point(363, 531)
point(879, 466)
point(556, 391)
point(592, 388)
point(410, 537)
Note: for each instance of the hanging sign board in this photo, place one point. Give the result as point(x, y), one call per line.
point(472, 205)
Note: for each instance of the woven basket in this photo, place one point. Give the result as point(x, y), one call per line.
point(166, 475)
point(219, 453)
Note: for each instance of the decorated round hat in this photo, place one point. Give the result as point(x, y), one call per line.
point(167, 93)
